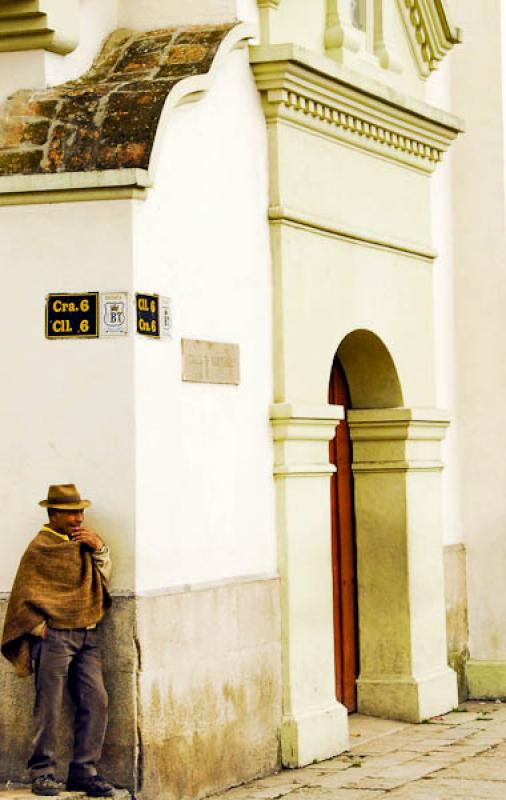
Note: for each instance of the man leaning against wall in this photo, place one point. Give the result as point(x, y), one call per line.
point(59, 595)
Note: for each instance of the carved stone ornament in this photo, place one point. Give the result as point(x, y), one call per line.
point(295, 91)
point(430, 32)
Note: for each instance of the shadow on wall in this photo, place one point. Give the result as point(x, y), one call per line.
point(370, 371)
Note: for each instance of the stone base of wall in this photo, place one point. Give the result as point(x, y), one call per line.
point(456, 613)
point(194, 682)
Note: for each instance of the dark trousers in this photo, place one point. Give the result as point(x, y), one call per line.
point(68, 657)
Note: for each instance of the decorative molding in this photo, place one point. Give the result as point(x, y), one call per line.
point(397, 439)
point(268, 3)
point(71, 187)
point(430, 32)
point(39, 25)
point(330, 101)
point(318, 224)
point(295, 429)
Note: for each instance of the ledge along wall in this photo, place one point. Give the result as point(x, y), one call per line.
point(180, 474)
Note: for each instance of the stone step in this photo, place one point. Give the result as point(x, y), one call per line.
point(16, 791)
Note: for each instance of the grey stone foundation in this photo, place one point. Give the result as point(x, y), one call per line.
point(194, 682)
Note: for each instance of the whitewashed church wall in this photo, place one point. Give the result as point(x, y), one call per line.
point(205, 507)
point(480, 255)
point(67, 407)
point(439, 94)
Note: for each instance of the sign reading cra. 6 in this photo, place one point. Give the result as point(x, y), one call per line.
point(72, 316)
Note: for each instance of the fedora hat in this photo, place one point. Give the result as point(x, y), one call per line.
point(64, 497)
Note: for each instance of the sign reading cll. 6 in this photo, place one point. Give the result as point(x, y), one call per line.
point(148, 315)
point(72, 316)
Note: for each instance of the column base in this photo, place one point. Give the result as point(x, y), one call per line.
point(407, 698)
point(314, 736)
point(486, 678)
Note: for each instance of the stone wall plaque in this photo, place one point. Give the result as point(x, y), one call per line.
point(210, 362)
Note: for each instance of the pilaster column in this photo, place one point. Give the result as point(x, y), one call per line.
point(403, 655)
point(266, 9)
point(314, 725)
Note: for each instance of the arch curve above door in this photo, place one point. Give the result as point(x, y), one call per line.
point(370, 371)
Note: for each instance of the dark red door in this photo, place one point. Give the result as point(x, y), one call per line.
point(343, 550)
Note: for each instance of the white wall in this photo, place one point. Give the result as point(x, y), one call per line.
point(439, 94)
point(67, 407)
point(480, 295)
point(204, 454)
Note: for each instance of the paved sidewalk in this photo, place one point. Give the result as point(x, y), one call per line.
point(18, 792)
point(460, 755)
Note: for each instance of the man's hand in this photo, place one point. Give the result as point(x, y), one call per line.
point(88, 537)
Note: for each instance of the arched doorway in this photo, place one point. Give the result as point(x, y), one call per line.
point(344, 561)
point(363, 376)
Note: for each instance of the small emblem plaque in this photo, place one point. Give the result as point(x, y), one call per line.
point(165, 317)
point(72, 316)
point(148, 315)
point(114, 314)
point(210, 362)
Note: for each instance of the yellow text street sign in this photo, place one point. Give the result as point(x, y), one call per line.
point(72, 316)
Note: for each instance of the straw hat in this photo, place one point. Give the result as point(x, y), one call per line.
point(64, 497)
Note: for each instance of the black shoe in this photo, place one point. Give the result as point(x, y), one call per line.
point(47, 785)
point(93, 785)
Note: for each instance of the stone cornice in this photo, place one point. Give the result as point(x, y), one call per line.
point(39, 25)
point(430, 31)
point(312, 92)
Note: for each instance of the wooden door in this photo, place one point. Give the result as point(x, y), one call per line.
point(343, 550)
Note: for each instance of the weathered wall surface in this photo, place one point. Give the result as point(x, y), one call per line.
point(121, 676)
point(211, 699)
point(457, 627)
point(198, 714)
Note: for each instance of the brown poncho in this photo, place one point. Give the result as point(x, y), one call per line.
point(57, 581)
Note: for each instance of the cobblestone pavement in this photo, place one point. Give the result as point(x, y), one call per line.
point(459, 755)
point(456, 756)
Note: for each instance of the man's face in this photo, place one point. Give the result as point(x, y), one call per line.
point(67, 522)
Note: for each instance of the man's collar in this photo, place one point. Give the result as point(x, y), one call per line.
point(63, 536)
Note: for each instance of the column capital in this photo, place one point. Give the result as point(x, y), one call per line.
point(398, 439)
point(309, 422)
point(301, 434)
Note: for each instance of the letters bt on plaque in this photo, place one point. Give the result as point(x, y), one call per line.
point(148, 315)
point(114, 314)
point(72, 316)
